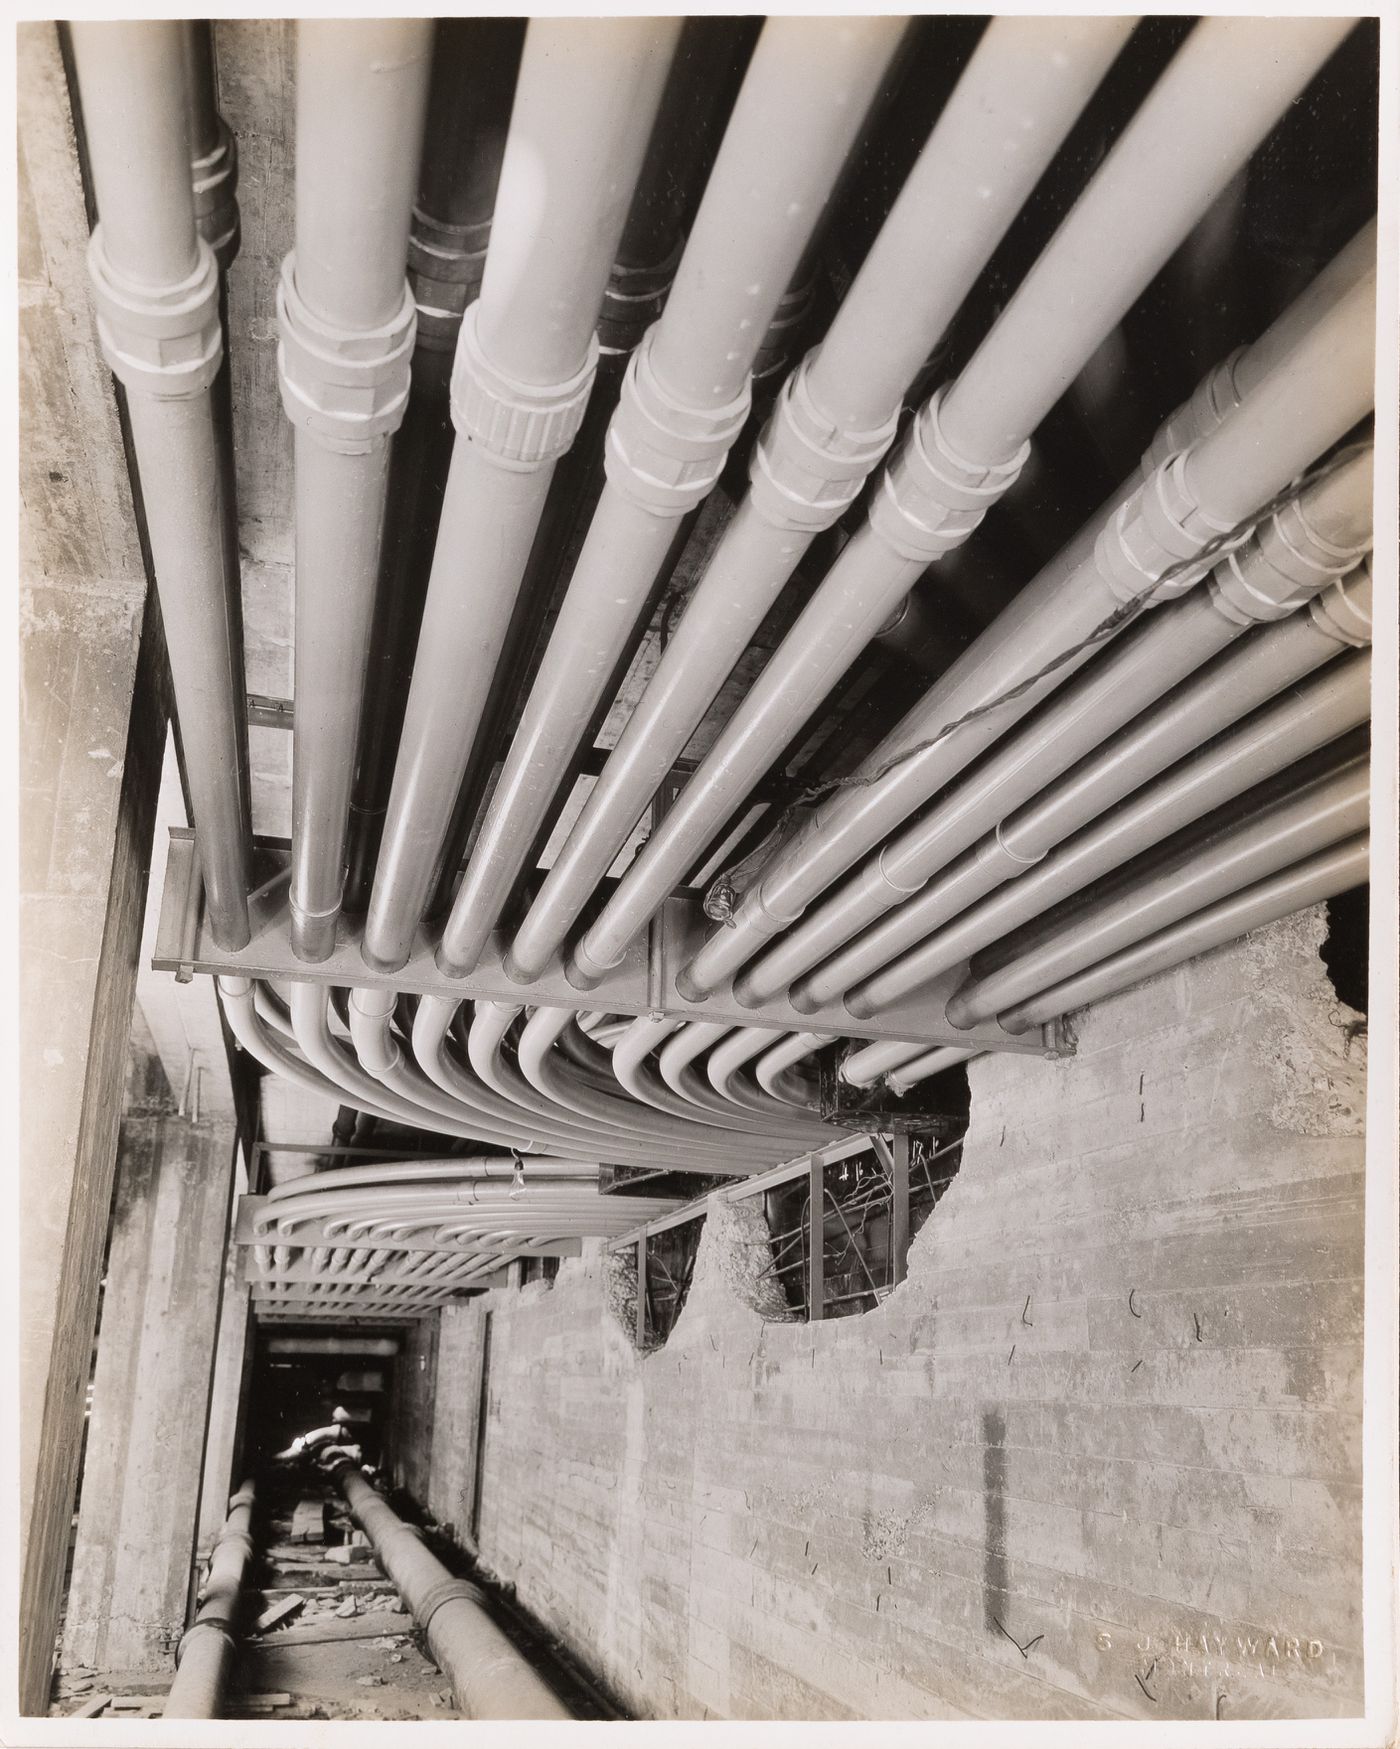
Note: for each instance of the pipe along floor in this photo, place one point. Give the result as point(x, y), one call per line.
point(327, 1634)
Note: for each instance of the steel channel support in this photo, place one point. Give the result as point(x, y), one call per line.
point(642, 1291)
point(641, 985)
point(816, 1238)
point(899, 1207)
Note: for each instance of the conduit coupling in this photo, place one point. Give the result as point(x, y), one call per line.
point(163, 342)
point(1343, 611)
point(663, 455)
point(517, 425)
point(346, 387)
point(222, 1589)
point(931, 497)
point(206, 1652)
point(794, 307)
point(1285, 562)
point(1213, 401)
point(806, 469)
point(371, 1009)
point(1160, 528)
point(489, 1677)
point(633, 301)
point(214, 180)
point(445, 264)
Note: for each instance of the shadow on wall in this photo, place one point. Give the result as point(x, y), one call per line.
point(993, 1494)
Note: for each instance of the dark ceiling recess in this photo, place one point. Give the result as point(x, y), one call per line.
point(1347, 948)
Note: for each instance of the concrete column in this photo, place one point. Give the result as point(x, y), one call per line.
point(139, 1506)
point(457, 1412)
point(92, 723)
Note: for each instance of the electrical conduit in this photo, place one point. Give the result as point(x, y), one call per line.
point(684, 400)
point(527, 353)
point(155, 284)
point(970, 442)
point(837, 415)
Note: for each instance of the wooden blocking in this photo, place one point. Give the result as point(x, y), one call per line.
point(280, 1611)
point(309, 1521)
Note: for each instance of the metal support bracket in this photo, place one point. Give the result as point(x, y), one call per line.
point(645, 982)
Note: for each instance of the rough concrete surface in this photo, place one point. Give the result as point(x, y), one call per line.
point(1098, 1457)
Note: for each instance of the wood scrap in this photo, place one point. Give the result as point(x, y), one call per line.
point(364, 1627)
point(279, 1611)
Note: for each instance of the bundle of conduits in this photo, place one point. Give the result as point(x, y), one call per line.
point(541, 279)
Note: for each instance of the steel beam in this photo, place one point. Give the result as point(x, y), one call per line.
point(645, 982)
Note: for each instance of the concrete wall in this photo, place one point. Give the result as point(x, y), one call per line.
point(1099, 1456)
point(415, 1385)
point(451, 1493)
point(139, 1510)
point(92, 722)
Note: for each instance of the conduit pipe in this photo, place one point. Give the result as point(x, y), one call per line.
point(248, 1027)
point(546, 1025)
point(690, 1141)
point(490, 1119)
point(906, 1076)
point(773, 1070)
point(675, 1063)
point(496, 1110)
point(206, 1655)
point(694, 1139)
point(332, 1060)
point(431, 1051)
point(1309, 882)
point(726, 1061)
point(1223, 388)
point(741, 1139)
point(1182, 147)
point(475, 61)
point(1317, 816)
point(156, 290)
point(1308, 543)
point(213, 150)
point(489, 1168)
point(739, 1150)
point(1301, 723)
point(837, 415)
point(630, 1051)
point(911, 942)
point(374, 1215)
point(864, 1067)
point(585, 103)
point(347, 322)
point(1146, 553)
point(490, 1679)
point(684, 400)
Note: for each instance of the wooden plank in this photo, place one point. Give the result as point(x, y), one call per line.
point(279, 1611)
point(309, 1521)
point(359, 1627)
